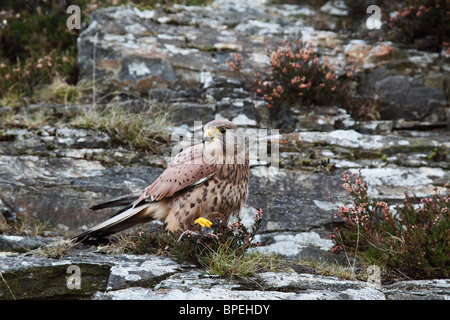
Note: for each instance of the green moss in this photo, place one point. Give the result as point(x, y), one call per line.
point(50, 282)
point(6, 137)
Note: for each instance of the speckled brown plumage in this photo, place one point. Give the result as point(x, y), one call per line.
point(211, 177)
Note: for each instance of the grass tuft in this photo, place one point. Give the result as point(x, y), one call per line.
point(144, 130)
point(223, 250)
point(55, 250)
point(226, 262)
point(59, 91)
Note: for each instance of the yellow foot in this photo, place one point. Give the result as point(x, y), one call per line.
point(203, 222)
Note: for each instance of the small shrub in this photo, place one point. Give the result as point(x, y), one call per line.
point(223, 250)
point(417, 19)
point(438, 155)
point(414, 242)
point(299, 77)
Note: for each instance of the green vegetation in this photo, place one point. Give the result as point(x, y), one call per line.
point(35, 47)
point(38, 53)
point(222, 250)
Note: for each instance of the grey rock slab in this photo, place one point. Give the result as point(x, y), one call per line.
point(41, 278)
point(192, 294)
point(353, 139)
point(318, 287)
point(404, 95)
point(61, 190)
point(293, 244)
point(145, 272)
point(30, 277)
point(47, 138)
point(16, 243)
point(146, 49)
point(394, 182)
point(223, 294)
point(289, 198)
point(196, 279)
point(267, 286)
point(437, 289)
point(150, 277)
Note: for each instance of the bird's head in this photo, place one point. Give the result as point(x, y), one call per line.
point(224, 142)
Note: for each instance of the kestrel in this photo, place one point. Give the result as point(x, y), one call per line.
point(210, 177)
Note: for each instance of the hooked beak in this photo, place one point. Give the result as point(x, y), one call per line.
point(207, 136)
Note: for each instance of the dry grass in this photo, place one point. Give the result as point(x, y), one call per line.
point(55, 250)
point(227, 262)
point(145, 130)
point(59, 91)
point(23, 226)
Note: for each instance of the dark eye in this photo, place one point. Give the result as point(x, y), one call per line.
point(223, 130)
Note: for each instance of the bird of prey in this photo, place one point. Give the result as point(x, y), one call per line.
point(209, 177)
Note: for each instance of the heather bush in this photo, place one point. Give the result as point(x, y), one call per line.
point(411, 242)
point(298, 77)
point(417, 19)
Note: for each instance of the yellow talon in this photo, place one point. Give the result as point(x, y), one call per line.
point(203, 222)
